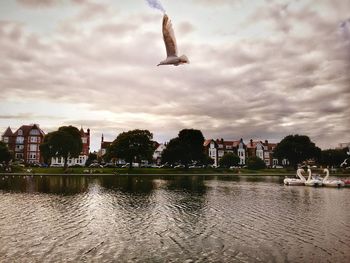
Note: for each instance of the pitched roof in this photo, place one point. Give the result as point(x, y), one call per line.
point(252, 144)
point(207, 142)
point(27, 128)
point(8, 132)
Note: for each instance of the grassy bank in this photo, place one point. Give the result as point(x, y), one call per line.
point(156, 171)
point(55, 170)
point(58, 171)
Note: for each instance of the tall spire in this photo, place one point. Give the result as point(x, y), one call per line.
point(102, 138)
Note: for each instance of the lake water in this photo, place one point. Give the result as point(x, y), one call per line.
point(171, 219)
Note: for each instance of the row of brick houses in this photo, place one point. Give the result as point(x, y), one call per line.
point(25, 141)
point(216, 149)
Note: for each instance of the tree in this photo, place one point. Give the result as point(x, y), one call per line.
point(65, 143)
point(296, 149)
point(185, 148)
point(255, 163)
point(92, 157)
point(228, 160)
point(5, 155)
point(132, 145)
point(333, 157)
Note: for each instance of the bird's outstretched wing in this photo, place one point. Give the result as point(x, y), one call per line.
point(169, 37)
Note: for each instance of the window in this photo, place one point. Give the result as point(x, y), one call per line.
point(19, 139)
point(19, 155)
point(32, 156)
point(33, 139)
point(84, 140)
point(34, 132)
point(19, 147)
point(20, 132)
point(33, 147)
point(6, 139)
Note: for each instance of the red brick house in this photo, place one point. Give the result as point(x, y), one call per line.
point(24, 143)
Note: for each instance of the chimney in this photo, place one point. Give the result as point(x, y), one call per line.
point(251, 142)
point(88, 131)
point(102, 138)
point(266, 142)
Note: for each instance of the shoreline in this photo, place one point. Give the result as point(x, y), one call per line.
point(158, 174)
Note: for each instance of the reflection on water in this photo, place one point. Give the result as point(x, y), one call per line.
point(171, 218)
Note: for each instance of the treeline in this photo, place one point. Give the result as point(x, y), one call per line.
point(187, 148)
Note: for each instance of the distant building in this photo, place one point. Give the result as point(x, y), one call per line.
point(82, 158)
point(268, 154)
point(216, 149)
point(103, 147)
point(157, 155)
point(24, 143)
point(211, 150)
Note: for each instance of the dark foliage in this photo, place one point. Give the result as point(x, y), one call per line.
point(186, 148)
point(255, 163)
point(296, 149)
point(66, 142)
point(135, 145)
point(228, 160)
point(5, 155)
point(333, 157)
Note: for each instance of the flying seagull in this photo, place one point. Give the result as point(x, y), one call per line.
point(170, 45)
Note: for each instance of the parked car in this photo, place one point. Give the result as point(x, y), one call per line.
point(179, 166)
point(95, 165)
point(109, 165)
point(277, 166)
point(56, 165)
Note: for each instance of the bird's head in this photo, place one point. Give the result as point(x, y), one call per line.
point(184, 59)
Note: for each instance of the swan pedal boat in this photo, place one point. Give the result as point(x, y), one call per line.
point(347, 182)
point(295, 181)
point(332, 183)
point(313, 181)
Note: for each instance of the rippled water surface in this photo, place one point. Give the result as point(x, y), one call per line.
point(171, 219)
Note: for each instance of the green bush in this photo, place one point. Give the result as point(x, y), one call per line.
point(228, 160)
point(255, 163)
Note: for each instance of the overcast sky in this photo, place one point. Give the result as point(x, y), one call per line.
point(259, 69)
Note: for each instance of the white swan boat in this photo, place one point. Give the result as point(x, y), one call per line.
point(313, 181)
point(332, 183)
point(296, 181)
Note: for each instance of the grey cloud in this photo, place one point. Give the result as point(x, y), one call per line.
point(185, 28)
point(38, 3)
point(50, 3)
point(259, 88)
point(211, 3)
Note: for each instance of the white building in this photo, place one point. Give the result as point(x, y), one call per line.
point(157, 155)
